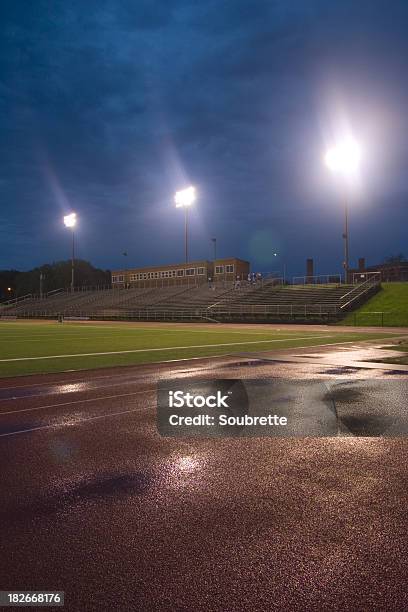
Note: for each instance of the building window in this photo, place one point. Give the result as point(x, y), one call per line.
point(133, 277)
point(121, 278)
point(229, 268)
point(219, 269)
point(114, 279)
point(200, 270)
point(180, 272)
point(190, 271)
point(144, 275)
point(174, 272)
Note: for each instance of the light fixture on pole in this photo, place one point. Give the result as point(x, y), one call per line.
point(184, 199)
point(344, 159)
point(70, 222)
point(214, 241)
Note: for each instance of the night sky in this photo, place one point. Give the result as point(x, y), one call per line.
point(108, 107)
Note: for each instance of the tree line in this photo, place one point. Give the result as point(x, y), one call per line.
point(14, 283)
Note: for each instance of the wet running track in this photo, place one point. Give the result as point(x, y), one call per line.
point(96, 504)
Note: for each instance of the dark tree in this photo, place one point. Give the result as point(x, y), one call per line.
point(58, 275)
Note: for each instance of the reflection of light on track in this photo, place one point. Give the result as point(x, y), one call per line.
point(186, 471)
point(187, 464)
point(72, 387)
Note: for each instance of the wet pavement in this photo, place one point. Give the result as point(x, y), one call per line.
point(96, 503)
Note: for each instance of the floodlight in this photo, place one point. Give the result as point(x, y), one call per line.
point(344, 158)
point(185, 197)
point(70, 220)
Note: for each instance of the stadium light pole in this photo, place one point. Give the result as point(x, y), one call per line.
point(70, 222)
point(184, 199)
point(344, 159)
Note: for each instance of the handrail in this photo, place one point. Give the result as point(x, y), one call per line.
point(202, 312)
point(15, 300)
point(309, 280)
point(55, 291)
point(356, 288)
point(360, 290)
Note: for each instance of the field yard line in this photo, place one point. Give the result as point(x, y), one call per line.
point(53, 338)
point(76, 380)
point(55, 425)
point(178, 330)
point(92, 399)
point(167, 348)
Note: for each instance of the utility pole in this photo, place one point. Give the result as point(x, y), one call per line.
point(346, 244)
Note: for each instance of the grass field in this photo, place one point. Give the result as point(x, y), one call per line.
point(392, 301)
point(29, 347)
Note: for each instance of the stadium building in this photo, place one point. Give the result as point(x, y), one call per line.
point(192, 273)
point(390, 271)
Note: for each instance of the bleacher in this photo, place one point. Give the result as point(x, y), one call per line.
point(269, 293)
point(222, 301)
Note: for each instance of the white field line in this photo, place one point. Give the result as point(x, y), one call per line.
point(149, 350)
point(109, 376)
point(163, 361)
point(68, 333)
point(83, 401)
point(53, 338)
point(79, 422)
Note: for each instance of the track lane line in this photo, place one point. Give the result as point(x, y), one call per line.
point(56, 425)
point(96, 388)
point(90, 399)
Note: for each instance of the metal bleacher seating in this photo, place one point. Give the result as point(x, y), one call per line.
point(220, 301)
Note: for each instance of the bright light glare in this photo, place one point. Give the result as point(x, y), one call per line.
point(185, 197)
point(344, 157)
point(70, 220)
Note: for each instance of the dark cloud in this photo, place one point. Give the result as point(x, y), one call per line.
point(109, 106)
